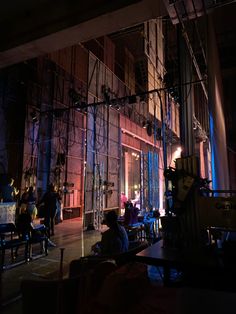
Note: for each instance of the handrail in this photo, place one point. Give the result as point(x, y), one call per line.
point(223, 192)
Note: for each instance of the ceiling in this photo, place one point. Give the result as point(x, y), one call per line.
point(34, 28)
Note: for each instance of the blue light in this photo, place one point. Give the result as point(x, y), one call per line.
point(153, 180)
point(213, 155)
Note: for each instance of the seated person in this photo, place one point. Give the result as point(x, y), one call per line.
point(23, 222)
point(114, 240)
point(27, 230)
point(31, 200)
point(149, 223)
point(131, 214)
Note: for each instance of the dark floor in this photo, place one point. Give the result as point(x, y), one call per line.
point(76, 243)
point(68, 235)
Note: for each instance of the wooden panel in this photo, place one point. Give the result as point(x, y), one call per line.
point(81, 70)
point(130, 141)
point(175, 118)
point(129, 71)
point(100, 80)
point(154, 83)
point(160, 48)
point(135, 130)
point(92, 74)
point(109, 53)
point(74, 60)
point(72, 170)
point(152, 41)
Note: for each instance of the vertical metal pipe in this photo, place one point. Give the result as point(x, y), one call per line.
point(67, 150)
point(94, 165)
point(163, 128)
point(186, 103)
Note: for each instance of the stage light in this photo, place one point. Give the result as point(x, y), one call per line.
point(77, 99)
point(144, 124)
point(149, 129)
point(34, 116)
point(117, 107)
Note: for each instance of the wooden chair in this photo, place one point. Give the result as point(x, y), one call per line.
point(79, 266)
point(38, 234)
point(34, 234)
point(10, 240)
point(135, 231)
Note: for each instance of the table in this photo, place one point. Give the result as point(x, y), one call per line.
point(220, 233)
point(7, 212)
point(182, 259)
point(146, 228)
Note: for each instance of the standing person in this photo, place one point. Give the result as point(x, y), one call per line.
point(58, 218)
point(9, 192)
point(131, 214)
point(24, 197)
point(50, 207)
point(123, 200)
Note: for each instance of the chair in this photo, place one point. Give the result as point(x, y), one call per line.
point(135, 231)
point(50, 296)
point(84, 264)
point(134, 248)
point(38, 234)
point(10, 240)
point(34, 234)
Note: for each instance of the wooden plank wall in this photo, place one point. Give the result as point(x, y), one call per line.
point(59, 72)
point(103, 151)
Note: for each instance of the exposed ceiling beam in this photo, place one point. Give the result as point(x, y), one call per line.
point(28, 42)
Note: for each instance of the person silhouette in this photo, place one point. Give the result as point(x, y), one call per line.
point(49, 200)
point(114, 240)
point(9, 192)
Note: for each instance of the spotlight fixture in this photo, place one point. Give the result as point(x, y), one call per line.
point(34, 116)
point(144, 124)
point(117, 107)
point(81, 106)
point(174, 93)
point(148, 126)
point(149, 129)
point(106, 93)
point(77, 99)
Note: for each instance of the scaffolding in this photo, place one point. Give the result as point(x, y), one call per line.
point(98, 197)
point(149, 194)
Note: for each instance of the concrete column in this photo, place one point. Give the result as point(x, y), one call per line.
point(220, 170)
point(186, 99)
